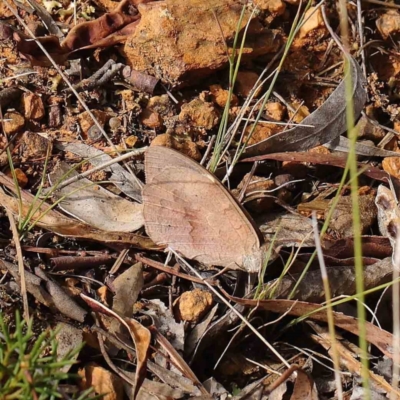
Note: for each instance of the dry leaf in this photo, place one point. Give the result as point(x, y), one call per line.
point(380, 338)
point(324, 124)
point(94, 205)
point(69, 339)
point(304, 387)
point(123, 180)
point(54, 297)
point(342, 281)
point(58, 223)
point(140, 335)
point(102, 381)
point(334, 160)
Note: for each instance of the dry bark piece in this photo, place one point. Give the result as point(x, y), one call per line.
point(287, 230)
point(326, 123)
point(88, 33)
point(140, 81)
point(342, 221)
point(193, 305)
point(178, 213)
point(111, 28)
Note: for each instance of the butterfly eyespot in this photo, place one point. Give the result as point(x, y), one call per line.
point(383, 202)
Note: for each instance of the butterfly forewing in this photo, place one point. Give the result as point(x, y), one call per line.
point(188, 209)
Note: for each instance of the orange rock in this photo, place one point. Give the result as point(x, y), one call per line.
point(392, 166)
point(184, 145)
point(275, 7)
point(200, 114)
point(220, 96)
point(21, 177)
point(86, 122)
point(299, 114)
point(161, 104)
point(194, 304)
point(33, 106)
point(13, 122)
point(245, 82)
point(131, 140)
point(34, 145)
point(151, 119)
point(260, 133)
point(388, 24)
point(314, 22)
point(319, 150)
point(5, 12)
point(275, 110)
point(102, 381)
point(181, 41)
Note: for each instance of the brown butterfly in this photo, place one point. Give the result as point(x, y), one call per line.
point(187, 209)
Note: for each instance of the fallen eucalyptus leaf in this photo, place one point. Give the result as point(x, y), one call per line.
point(362, 149)
point(58, 223)
point(47, 292)
point(94, 205)
point(69, 339)
point(342, 281)
point(323, 125)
